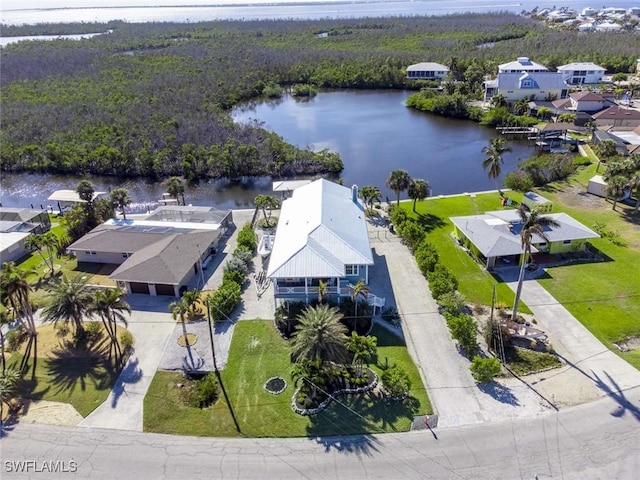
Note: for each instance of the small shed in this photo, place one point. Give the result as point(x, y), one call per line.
point(533, 200)
point(597, 186)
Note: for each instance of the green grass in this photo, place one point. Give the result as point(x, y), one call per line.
point(257, 354)
point(523, 361)
point(475, 283)
point(83, 379)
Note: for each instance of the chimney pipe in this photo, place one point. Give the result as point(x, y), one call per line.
point(354, 193)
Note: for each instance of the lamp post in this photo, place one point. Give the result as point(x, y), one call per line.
point(213, 350)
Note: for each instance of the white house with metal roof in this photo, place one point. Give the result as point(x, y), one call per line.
point(427, 71)
point(578, 73)
point(494, 237)
point(532, 85)
point(321, 235)
point(522, 64)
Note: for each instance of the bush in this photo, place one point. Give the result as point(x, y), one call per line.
point(580, 161)
point(243, 255)
point(426, 257)
point(441, 281)
point(15, 337)
point(452, 303)
point(548, 167)
point(273, 90)
point(484, 369)
point(247, 238)
point(205, 392)
point(396, 381)
point(464, 330)
point(225, 300)
point(398, 216)
point(233, 276)
point(126, 341)
point(412, 233)
point(518, 181)
point(93, 331)
point(237, 265)
point(303, 90)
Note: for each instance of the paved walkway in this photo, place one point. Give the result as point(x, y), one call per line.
point(456, 397)
point(573, 341)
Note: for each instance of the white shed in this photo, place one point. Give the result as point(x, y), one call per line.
point(597, 186)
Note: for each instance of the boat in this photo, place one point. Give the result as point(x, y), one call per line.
point(265, 245)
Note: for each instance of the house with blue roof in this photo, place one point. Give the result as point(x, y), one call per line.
point(532, 85)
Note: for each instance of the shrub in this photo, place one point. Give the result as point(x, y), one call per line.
point(484, 369)
point(126, 341)
point(93, 331)
point(205, 392)
point(518, 181)
point(303, 90)
point(15, 337)
point(224, 300)
point(266, 223)
point(412, 233)
point(453, 303)
point(441, 281)
point(247, 238)
point(426, 257)
point(237, 265)
point(396, 381)
point(233, 276)
point(547, 168)
point(390, 314)
point(272, 90)
point(243, 255)
point(580, 161)
point(397, 215)
point(464, 330)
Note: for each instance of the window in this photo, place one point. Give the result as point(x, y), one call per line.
point(566, 242)
point(526, 84)
point(87, 252)
point(126, 254)
point(351, 270)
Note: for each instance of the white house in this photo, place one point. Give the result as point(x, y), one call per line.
point(532, 85)
point(427, 71)
point(321, 236)
point(521, 64)
point(584, 102)
point(578, 73)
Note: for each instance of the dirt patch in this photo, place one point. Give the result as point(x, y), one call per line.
point(577, 196)
point(628, 344)
point(52, 413)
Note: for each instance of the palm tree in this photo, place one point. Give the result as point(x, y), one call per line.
point(266, 202)
point(521, 106)
point(398, 181)
point(175, 188)
point(15, 294)
point(8, 382)
point(85, 190)
point(109, 306)
point(323, 290)
point(616, 185)
point(544, 113)
point(363, 348)
point(493, 161)
point(499, 100)
point(69, 301)
point(532, 224)
point(606, 150)
point(190, 299)
point(120, 199)
point(360, 289)
point(320, 335)
point(370, 194)
point(418, 190)
point(46, 245)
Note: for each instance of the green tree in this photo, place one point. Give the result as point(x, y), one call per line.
point(544, 113)
point(616, 186)
point(521, 106)
point(418, 190)
point(464, 329)
point(363, 348)
point(69, 301)
point(484, 369)
point(8, 384)
point(320, 335)
point(266, 203)
point(398, 181)
point(175, 188)
point(46, 244)
point(498, 100)
point(606, 150)
point(370, 194)
point(493, 160)
point(358, 291)
point(533, 223)
point(396, 381)
point(15, 293)
point(120, 199)
point(111, 308)
point(323, 290)
point(85, 191)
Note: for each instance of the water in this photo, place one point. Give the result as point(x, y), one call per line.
point(17, 12)
point(372, 130)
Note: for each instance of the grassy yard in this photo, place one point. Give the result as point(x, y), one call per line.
point(81, 378)
point(475, 283)
point(257, 354)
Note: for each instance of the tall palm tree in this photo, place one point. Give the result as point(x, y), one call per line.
point(266, 202)
point(493, 161)
point(363, 348)
point(360, 289)
point(46, 245)
point(320, 336)
point(418, 190)
point(616, 186)
point(175, 188)
point(16, 291)
point(85, 191)
point(370, 194)
point(111, 308)
point(532, 224)
point(605, 150)
point(69, 302)
point(323, 290)
point(120, 199)
point(398, 181)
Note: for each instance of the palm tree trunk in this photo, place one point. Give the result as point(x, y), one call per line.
point(519, 289)
point(4, 362)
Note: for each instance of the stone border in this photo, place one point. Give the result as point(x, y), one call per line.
point(278, 392)
point(325, 404)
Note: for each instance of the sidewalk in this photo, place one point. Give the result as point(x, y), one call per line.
point(573, 341)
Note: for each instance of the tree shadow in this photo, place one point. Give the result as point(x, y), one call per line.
point(430, 221)
point(130, 375)
point(499, 392)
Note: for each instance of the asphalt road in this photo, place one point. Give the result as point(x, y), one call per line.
point(592, 441)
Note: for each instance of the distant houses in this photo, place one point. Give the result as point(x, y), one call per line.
point(521, 64)
point(427, 71)
point(579, 73)
point(16, 225)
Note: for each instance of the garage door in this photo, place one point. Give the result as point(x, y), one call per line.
point(162, 289)
point(139, 288)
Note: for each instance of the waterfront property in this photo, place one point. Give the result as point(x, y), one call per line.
point(427, 71)
point(68, 198)
point(321, 236)
point(494, 237)
point(578, 73)
point(161, 255)
point(514, 86)
point(585, 101)
point(522, 64)
point(16, 225)
point(617, 116)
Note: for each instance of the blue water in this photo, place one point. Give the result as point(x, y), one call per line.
point(16, 12)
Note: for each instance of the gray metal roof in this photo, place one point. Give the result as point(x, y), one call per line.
point(540, 80)
point(497, 233)
point(12, 214)
point(321, 229)
point(427, 67)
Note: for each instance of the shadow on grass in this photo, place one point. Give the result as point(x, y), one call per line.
point(430, 221)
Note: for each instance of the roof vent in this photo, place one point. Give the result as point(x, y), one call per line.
point(354, 193)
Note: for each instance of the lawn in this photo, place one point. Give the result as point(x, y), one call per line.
point(81, 378)
point(475, 283)
point(257, 354)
